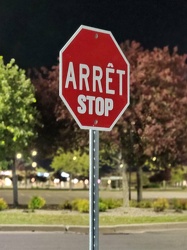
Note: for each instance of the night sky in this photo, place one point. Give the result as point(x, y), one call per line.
point(33, 31)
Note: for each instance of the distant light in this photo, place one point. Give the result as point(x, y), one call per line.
point(46, 175)
point(56, 181)
point(86, 182)
point(75, 181)
point(19, 155)
point(154, 158)
point(64, 174)
point(33, 180)
point(34, 153)
point(74, 158)
point(6, 173)
point(109, 182)
point(34, 164)
point(43, 174)
point(8, 182)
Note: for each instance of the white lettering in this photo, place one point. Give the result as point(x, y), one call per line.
point(84, 73)
point(94, 105)
point(99, 106)
point(92, 80)
point(90, 104)
point(121, 73)
point(108, 106)
point(81, 101)
point(109, 79)
point(97, 78)
point(70, 76)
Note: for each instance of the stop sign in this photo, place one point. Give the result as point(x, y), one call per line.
point(94, 78)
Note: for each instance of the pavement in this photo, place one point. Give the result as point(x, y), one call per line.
point(117, 229)
point(58, 196)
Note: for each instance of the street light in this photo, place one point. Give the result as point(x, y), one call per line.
point(34, 164)
point(18, 156)
point(34, 153)
point(121, 165)
point(74, 158)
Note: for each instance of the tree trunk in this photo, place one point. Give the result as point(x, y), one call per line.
point(130, 183)
point(139, 183)
point(125, 186)
point(70, 182)
point(25, 178)
point(15, 184)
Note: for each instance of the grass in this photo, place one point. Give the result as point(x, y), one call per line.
point(43, 219)
point(19, 217)
point(120, 220)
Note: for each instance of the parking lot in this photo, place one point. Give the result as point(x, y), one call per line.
point(57, 196)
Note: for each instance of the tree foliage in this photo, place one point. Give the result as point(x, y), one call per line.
point(155, 123)
point(64, 131)
point(74, 163)
point(18, 115)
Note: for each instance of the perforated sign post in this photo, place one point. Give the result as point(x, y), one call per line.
point(94, 85)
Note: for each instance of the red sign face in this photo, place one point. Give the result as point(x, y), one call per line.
point(94, 78)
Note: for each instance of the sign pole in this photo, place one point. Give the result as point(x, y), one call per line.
point(94, 190)
point(99, 84)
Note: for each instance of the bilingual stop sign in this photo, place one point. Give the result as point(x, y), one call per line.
point(94, 78)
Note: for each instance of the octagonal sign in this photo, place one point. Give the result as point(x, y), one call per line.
point(94, 78)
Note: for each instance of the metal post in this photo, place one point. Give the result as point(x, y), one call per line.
point(94, 190)
point(15, 184)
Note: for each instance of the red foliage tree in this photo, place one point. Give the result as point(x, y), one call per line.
point(155, 123)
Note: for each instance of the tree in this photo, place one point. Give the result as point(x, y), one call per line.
point(74, 163)
point(152, 126)
point(178, 175)
point(18, 116)
point(64, 132)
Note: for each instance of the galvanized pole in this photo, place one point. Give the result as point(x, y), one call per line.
point(94, 190)
point(15, 183)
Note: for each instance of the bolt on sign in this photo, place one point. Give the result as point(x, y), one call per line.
point(94, 78)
